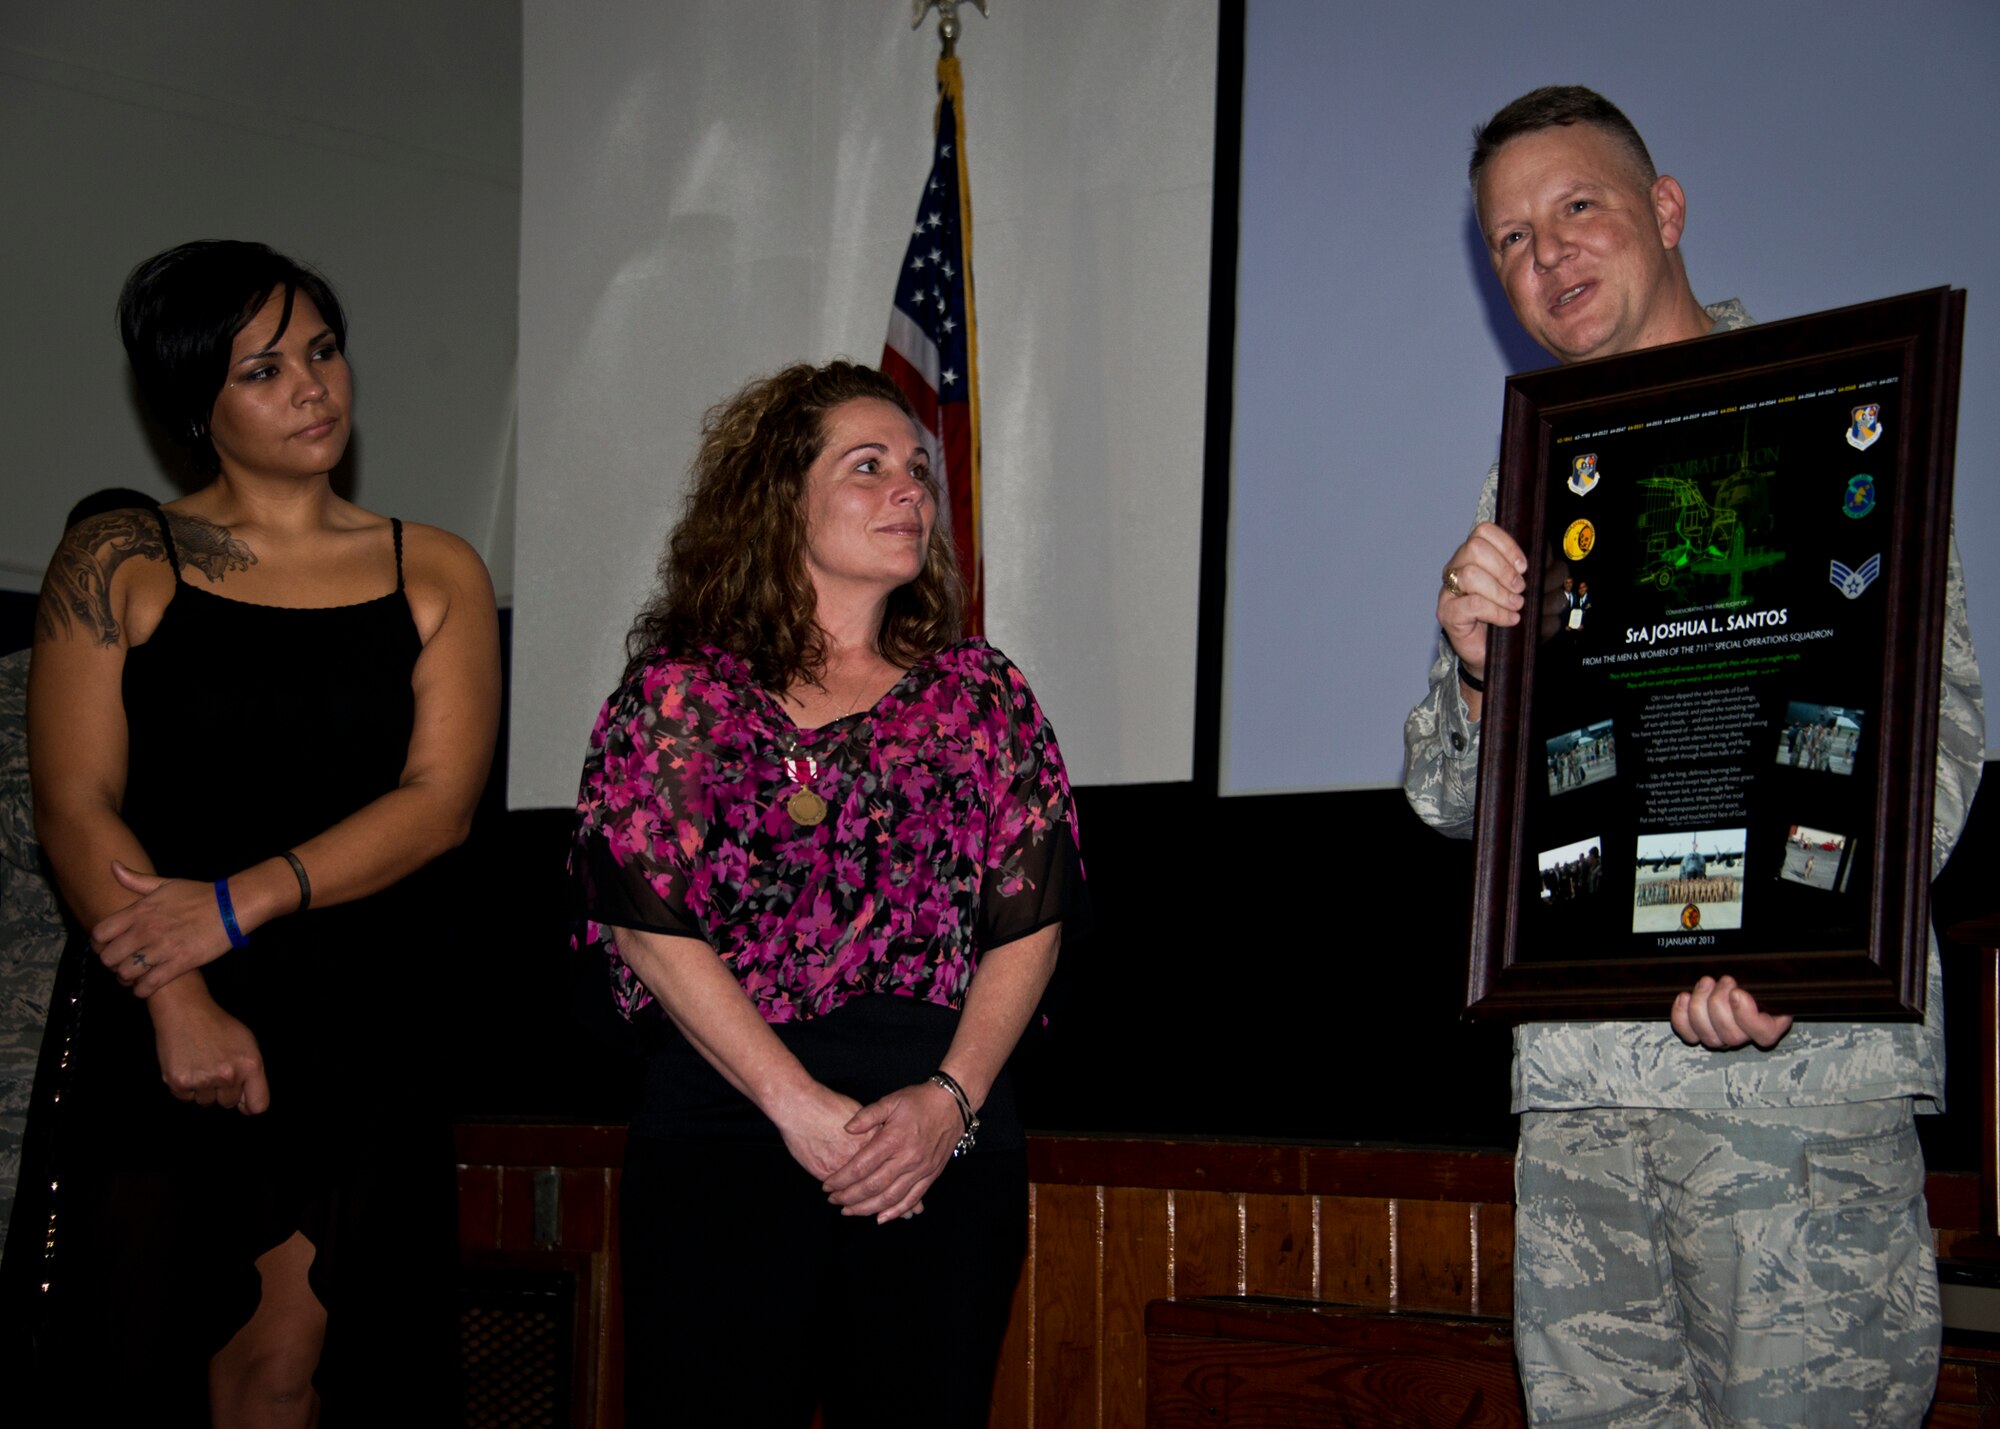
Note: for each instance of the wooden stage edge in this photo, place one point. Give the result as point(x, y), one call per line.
point(1173, 1281)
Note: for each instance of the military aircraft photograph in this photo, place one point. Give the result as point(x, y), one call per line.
point(1692, 855)
point(1688, 880)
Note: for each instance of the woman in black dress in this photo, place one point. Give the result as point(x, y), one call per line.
point(258, 701)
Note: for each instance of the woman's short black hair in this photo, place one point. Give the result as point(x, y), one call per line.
point(180, 312)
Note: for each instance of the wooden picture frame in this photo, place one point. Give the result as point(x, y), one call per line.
point(1713, 750)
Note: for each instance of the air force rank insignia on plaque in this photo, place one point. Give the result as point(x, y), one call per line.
point(1583, 473)
point(1850, 582)
point(1865, 428)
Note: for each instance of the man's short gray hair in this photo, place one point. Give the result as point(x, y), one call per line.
point(1557, 106)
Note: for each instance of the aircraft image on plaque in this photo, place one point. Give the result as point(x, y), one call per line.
point(1688, 881)
point(1689, 533)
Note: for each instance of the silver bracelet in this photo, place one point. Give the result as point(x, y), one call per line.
point(942, 1078)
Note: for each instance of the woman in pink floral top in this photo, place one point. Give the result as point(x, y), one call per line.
point(827, 847)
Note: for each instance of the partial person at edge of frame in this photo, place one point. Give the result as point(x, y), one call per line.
point(32, 927)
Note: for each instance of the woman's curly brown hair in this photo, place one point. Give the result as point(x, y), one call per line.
point(734, 572)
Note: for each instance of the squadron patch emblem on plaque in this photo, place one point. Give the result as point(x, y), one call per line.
point(1583, 474)
point(1860, 496)
point(1850, 581)
point(1691, 916)
point(1865, 426)
point(1578, 539)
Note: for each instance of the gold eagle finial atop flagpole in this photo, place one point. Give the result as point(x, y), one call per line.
point(947, 19)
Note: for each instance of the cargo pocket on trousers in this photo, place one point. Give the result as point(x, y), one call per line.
point(1871, 1265)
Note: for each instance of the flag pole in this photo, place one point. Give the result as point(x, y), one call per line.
point(947, 21)
point(932, 350)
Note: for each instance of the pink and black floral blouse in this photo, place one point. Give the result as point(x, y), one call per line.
point(947, 829)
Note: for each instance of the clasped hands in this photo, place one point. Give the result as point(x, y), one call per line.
point(171, 928)
point(876, 1160)
point(206, 1056)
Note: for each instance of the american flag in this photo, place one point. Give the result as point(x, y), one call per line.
point(932, 351)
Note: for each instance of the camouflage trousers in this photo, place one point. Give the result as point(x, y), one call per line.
point(1756, 1267)
point(27, 968)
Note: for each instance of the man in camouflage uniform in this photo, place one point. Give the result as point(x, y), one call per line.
point(1707, 1231)
point(31, 929)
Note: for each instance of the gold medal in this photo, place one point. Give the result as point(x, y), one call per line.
point(806, 808)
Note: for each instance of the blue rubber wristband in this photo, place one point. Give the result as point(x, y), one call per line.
point(228, 911)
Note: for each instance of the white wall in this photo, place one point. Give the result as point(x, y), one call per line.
point(1832, 152)
point(712, 189)
point(377, 140)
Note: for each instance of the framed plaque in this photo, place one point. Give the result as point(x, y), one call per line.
point(1710, 745)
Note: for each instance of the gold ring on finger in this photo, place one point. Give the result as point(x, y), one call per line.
point(1451, 581)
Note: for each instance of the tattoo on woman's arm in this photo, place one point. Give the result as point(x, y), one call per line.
point(76, 593)
point(209, 548)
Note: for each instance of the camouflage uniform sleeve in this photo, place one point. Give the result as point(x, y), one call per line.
point(17, 806)
point(1440, 741)
point(1961, 751)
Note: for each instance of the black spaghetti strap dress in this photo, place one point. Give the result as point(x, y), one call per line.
point(251, 729)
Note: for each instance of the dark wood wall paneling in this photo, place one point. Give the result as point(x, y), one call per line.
point(1380, 1279)
point(1122, 1225)
point(498, 1229)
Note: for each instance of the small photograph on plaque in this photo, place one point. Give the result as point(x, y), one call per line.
point(1580, 757)
point(1687, 880)
point(1571, 873)
point(1576, 604)
point(1815, 858)
point(1821, 737)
